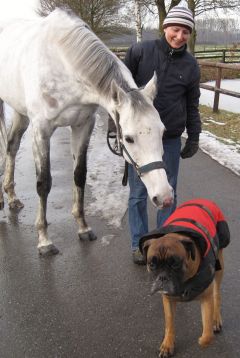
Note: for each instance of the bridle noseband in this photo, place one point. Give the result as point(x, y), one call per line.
point(118, 148)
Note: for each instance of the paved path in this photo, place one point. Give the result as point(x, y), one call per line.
point(91, 300)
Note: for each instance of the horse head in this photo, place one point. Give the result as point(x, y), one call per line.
point(140, 132)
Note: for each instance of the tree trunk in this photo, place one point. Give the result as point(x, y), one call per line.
point(192, 41)
point(138, 22)
point(161, 14)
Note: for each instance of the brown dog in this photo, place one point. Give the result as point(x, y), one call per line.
point(186, 256)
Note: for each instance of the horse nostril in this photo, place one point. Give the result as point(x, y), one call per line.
point(155, 200)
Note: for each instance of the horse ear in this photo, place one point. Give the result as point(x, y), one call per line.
point(150, 90)
point(117, 94)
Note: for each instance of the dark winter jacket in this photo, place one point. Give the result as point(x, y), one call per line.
point(178, 79)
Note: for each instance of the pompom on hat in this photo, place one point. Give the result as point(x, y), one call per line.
point(181, 16)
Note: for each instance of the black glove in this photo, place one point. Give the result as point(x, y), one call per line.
point(190, 148)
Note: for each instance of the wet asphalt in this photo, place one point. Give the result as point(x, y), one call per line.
point(91, 300)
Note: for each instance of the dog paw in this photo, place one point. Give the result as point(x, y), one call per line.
point(217, 322)
point(217, 327)
point(205, 341)
point(166, 351)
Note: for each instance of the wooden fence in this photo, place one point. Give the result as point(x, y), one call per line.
point(121, 52)
point(217, 88)
point(222, 55)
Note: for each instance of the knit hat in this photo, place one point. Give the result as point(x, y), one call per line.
point(179, 16)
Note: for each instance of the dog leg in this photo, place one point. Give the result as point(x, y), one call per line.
point(167, 345)
point(207, 307)
point(217, 319)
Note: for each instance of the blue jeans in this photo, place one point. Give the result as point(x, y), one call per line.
point(137, 202)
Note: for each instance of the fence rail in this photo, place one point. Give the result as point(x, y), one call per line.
point(224, 55)
point(217, 88)
point(121, 52)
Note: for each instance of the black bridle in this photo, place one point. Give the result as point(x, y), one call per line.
point(118, 148)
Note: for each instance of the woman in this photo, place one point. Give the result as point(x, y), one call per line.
point(177, 102)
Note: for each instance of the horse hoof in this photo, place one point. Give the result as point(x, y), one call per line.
point(15, 205)
point(1, 205)
point(87, 236)
point(48, 250)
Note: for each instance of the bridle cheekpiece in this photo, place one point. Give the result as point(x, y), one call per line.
point(117, 147)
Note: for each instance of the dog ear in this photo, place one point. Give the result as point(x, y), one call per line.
point(144, 248)
point(190, 248)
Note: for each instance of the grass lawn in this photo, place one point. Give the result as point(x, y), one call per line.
point(225, 125)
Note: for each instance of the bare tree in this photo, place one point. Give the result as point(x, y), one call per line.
point(101, 15)
point(218, 30)
point(197, 7)
point(203, 6)
point(138, 20)
point(142, 9)
point(163, 8)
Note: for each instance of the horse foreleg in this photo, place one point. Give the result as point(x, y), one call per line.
point(3, 145)
point(1, 196)
point(41, 152)
point(80, 140)
point(19, 126)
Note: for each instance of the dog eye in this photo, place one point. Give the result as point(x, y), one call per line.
point(129, 139)
point(153, 264)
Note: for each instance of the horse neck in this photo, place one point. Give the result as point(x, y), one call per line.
point(106, 101)
point(107, 105)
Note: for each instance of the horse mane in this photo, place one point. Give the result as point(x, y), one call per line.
point(90, 58)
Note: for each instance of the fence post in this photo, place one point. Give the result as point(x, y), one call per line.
point(216, 93)
point(224, 56)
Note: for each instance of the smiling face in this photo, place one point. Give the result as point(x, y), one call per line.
point(177, 36)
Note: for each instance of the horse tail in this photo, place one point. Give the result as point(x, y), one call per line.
point(3, 138)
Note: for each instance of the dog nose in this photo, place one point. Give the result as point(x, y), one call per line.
point(160, 283)
point(162, 278)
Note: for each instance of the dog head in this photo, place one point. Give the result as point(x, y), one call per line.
point(172, 259)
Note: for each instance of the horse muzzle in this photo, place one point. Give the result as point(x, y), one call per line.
point(163, 195)
point(160, 204)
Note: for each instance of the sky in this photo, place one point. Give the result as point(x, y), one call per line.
point(17, 8)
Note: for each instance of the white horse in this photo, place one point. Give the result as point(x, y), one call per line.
point(55, 72)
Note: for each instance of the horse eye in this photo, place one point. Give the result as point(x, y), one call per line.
point(129, 139)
